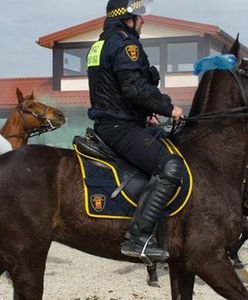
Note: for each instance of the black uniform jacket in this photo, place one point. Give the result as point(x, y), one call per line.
point(121, 86)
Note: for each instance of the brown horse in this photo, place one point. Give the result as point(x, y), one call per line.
point(30, 118)
point(42, 200)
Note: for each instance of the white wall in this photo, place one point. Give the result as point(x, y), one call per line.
point(74, 84)
point(148, 31)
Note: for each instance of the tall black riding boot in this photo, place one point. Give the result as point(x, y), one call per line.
point(140, 236)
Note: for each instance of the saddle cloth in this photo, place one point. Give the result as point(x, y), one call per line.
point(112, 186)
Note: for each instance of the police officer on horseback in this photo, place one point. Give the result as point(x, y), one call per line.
point(123, 93)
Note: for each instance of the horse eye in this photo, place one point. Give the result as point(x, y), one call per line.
point(31, 105)
point(244, 63)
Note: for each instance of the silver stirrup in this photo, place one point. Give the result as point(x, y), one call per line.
point(146, 260)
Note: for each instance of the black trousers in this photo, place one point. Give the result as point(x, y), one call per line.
point(134, 143)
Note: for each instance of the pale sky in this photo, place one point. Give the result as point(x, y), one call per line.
point(22, 22)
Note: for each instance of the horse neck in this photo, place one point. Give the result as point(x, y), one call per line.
point(221, 143)
point(14, 126)
point(215, 92)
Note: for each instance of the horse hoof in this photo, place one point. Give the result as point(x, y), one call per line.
point(153, 283)
point(237, 263)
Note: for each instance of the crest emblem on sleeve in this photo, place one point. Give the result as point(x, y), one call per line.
point(132, 52)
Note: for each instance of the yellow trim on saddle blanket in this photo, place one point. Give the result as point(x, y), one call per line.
point(171, 148)
point(79, 154)
point(170, 145)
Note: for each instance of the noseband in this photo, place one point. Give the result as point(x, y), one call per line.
point(45, 126)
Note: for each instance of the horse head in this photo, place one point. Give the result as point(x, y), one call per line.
point(36, 115)
point(216, 86)
point(28, 119)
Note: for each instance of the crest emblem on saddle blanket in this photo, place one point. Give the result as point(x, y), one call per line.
point(98, 202)
point(132, 52)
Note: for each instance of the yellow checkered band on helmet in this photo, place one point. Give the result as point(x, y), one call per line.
point(122, 11)
point(117, 12)
point(137, 4)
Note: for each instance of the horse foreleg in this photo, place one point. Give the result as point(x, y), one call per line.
point(152, 275)
point(238, 245)
point(233, 253)
point(181, 281)
point(219, 274)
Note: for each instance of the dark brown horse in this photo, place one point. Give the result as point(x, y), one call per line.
point(29, 118)
point(41, 200)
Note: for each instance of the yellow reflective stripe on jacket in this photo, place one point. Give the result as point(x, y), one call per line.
point(94, 56)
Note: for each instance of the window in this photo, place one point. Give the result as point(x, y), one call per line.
point(74, 62)
point(181, 56)
point(153, 56)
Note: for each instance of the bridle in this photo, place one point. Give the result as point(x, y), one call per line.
point(28, 132)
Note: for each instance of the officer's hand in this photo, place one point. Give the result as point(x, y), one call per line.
point(153, 120)
point(177, 113)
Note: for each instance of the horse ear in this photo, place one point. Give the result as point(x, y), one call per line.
point(19, 96)
point(32, 96)
point(235, 47)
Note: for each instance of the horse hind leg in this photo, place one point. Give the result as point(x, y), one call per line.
point(219, 274)
point(27, 269)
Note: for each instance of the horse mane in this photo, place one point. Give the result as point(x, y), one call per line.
point(202, 94)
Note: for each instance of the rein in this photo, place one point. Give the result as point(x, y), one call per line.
point(239, 112)
point(45, 126)
point(231, 113)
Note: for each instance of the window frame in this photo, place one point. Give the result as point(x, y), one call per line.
point(58, 62)
point(203, 49)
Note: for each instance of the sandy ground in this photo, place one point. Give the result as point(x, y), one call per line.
point(73, 275)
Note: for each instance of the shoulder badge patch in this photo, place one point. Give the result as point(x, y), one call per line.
point(132, 52)
point(98, 202)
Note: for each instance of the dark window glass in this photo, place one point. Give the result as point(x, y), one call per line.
point(181, 56)
point(74, 62)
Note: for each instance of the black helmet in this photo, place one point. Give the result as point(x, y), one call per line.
point(125, 9)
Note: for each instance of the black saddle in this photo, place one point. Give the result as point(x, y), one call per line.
point(91, 144)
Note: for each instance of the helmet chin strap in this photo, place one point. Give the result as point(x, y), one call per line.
point(134, 22)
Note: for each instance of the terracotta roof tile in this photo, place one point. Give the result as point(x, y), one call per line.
point(42, 88)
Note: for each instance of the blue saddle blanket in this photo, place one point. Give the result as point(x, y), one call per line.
point(104, 196)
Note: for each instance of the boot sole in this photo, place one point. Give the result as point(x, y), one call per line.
point(154, 256)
